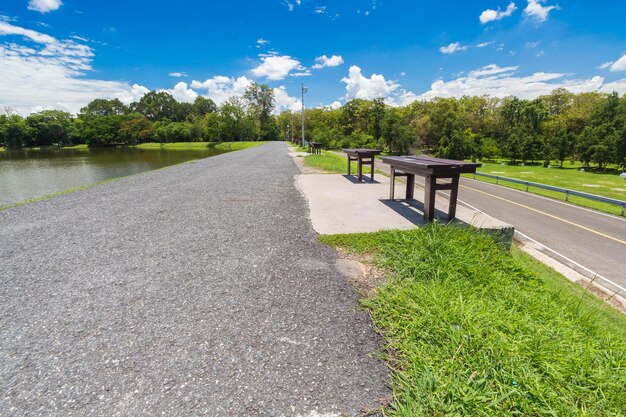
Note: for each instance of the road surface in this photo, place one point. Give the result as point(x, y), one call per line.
point(199, 289)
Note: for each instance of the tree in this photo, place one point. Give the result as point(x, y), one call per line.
point(202, 106)
point(50, 127)
point(234, 123)
point(158, 106)
point(14, 132)
point(103, 107)
point(136, 129)
point(260, 101)
point(104, 131)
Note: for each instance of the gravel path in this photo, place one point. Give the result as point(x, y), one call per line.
point(195, 290)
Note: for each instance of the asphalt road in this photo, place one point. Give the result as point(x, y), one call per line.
point(200, 289)
point(582, 238)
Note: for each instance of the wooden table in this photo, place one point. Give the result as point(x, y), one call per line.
point(315, 148)
point(362, 156)
point(432, 169)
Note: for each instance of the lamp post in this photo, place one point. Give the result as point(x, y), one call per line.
point(304, 90)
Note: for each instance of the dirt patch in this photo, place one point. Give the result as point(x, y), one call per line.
point(361, 272)
point(610, 298)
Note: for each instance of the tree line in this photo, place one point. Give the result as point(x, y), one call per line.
point(156, 117)
point(588, 127)
point(560, 126)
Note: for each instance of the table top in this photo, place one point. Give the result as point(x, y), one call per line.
point(430, 164)
point(363, 151)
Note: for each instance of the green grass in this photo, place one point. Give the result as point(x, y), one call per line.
point(227, 146)
point(607, 185)
point(473, 330)
point(331, 162)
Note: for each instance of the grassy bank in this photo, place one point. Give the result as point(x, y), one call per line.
point(185, 146)
point(607, 185)
point(328, 161)
point(473, 330)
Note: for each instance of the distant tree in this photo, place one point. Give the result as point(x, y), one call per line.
point(234, 123)
point(104, 131)
point(136, 129)
point(103, 107)
point(260, 101)
point(50, 127)
point(202, 106)
point(14, 132)
point(158, 106)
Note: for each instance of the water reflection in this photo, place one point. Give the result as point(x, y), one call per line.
point(27, 173)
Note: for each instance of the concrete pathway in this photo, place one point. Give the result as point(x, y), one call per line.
point(199, 289)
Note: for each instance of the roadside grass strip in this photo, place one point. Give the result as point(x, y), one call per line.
point(333, 163)
point(226, 146)
point(474, 330)
point(607, 185)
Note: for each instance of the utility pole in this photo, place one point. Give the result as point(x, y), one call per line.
point(304, 90)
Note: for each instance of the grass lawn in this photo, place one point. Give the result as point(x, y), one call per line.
point(608, 185)
point(473, 330)
point(331, 162)
point(232, 146)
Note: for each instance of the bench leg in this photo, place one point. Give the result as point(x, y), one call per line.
point(454, 192)
point(360, 169)
point(392, 183)
point(349, 163)
point(410, 186)
point(372, 176)
point(430, 187)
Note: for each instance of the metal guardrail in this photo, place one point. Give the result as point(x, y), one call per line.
point(566, 191)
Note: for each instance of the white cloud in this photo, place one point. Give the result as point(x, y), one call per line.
point(501, 82)
point(619, 65)
point(452, 48)
point(537, 11)
point(220, 88)
point(359, 86)
point(44, 6)
point(324, 61)
point(277, 67)
point(457, 47)
point(335, 105)
point(177, 74)
point(262, 41)
point(182, 93)
point(490, 15)
point(605, 65)
point(320, 10)
point(532, 45)
point(284, 101)
point(51, 73)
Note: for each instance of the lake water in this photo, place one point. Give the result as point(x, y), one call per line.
point(26, 174)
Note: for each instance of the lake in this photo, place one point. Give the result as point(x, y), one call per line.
point(28, 173)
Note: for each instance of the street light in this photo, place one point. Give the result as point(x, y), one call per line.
point(304, 90)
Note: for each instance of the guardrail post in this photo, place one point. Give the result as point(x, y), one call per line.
point(566, 195)
point(623, 210)
point(526, 187)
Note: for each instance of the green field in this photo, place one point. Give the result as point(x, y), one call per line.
point(473, 330)
point(331, 162)
point(227, 146)
point(607, 185)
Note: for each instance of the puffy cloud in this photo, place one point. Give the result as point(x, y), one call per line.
point(50, 73)
point(359, 86)
point(181, 92)
point(277, 67)
point(220, 88)
point(324, 61)
point(262, 41)
point(44, 6)
point(619, 65)
point(452, 48)
point(177, 74)
point(284, 101)
point(501, 82)
point(490, 15)
point(537, 11)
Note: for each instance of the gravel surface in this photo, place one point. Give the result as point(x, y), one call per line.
point(199, 289)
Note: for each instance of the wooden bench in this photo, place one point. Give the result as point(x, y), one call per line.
point(315, 148)
point(431, 169)
point(362, 156)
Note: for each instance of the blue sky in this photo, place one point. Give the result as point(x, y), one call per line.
point(62, 54)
